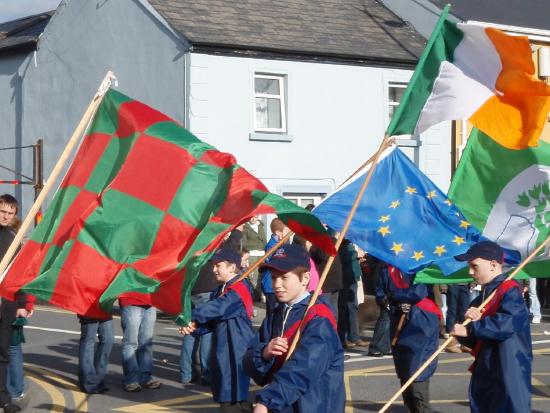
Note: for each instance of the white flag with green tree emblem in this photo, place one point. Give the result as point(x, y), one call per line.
point(506, 194)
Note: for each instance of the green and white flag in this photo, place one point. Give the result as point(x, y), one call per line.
point(506, 194)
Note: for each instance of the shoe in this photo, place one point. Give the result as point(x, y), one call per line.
point(375, 354)
point(361, 343)
point(535, 320)
point(22, 401)
point(349, 344)
point(132, 387)
point(11, 408)
point(151, 384)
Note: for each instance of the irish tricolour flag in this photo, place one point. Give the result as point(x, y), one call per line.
point(469, 71)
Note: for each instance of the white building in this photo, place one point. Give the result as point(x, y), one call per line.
point(299, 91)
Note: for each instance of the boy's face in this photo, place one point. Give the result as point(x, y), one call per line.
point(7, 213)
point(483, 271)
point(287, 286)
point(224, 271)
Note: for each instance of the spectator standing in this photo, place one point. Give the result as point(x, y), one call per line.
point(9, 310)
point(93, 362)
point(201, 346)
point(278, 232)
point(138, 322)
point(380, 344)
point(334, 280)
point(348, 329)
point(254, 240)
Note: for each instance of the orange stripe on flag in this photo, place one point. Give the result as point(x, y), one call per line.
point(516, 116)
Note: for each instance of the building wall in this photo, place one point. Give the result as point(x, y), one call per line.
point(337, 116)
point(84, 39)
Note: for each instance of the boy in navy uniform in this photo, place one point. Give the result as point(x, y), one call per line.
point(500, 336)
point(228, 317)
point(312, 380)
point(418, 337)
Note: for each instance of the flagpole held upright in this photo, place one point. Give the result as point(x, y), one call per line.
point(322, 278)
point(465, 323)
point(73, 140)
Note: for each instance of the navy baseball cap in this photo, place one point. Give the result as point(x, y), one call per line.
point(488, 250)
point(288, 257)
point(224, 254)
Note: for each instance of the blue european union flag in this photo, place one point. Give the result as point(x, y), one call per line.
point(403, 218)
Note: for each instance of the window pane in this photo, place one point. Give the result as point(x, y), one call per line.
point(304, 202)
point(274, 113)
point(391, 110)
point(396, 93)
point(269, 86)
point(268, 113)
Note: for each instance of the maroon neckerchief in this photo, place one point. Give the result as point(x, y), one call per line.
point(425, 304)
point(244, 293)
point(491, 308)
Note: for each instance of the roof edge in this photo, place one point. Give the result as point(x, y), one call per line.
point(278, 54)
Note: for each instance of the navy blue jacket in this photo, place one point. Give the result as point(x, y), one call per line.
point(227, 318)
point(312, 380)
point(419, 337)
point(501, 373)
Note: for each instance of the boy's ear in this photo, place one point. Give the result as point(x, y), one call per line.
point(305, 278)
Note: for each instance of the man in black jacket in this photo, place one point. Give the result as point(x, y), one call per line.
point(9, 310)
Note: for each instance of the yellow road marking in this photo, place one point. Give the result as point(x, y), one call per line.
point(58, 401)
point(80, 399)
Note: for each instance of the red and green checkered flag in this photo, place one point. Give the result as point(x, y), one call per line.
point(142, 208)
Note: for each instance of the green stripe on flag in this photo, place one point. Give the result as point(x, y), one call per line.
point(441, 45)
point(117, 234)
point(128, 280)
point(43, 286)
point(110, 163)
point(62, 201)
point(106, 118)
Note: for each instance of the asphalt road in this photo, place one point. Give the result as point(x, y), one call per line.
point(51, 369)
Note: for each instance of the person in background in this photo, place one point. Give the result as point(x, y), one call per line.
point(137, 319)
point(9, 310)
point(278, 232)
point(254, 240)
point(93, 362)
point(380, 343)
point(348, 328)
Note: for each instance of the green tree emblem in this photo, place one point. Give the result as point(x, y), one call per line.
point(538, 197)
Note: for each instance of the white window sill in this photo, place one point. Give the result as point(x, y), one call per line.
point(270, 137)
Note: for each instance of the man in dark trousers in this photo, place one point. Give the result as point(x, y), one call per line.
point(500, 336)
point(9, 310)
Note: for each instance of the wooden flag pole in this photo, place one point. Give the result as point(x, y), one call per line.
point(389, 143)
point(88, 114)
point(465, 323)
point(265, 256)
point(313, 299)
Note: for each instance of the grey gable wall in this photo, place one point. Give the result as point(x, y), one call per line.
point(85, 39)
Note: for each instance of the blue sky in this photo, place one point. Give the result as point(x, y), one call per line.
point(14, 9)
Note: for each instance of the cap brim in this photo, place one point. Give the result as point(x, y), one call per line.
point(465, 257)
point(282, 268)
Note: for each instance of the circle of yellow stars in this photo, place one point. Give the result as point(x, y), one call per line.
point(397, 247)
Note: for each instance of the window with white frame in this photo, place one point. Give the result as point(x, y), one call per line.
point(395, 93)
point(269, 103)
point(304, 199)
